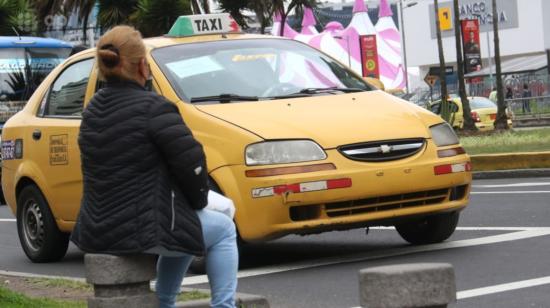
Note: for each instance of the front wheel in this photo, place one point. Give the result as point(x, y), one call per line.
point(430, 229)
point(38, 233)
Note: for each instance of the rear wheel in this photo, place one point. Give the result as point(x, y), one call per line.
point(430, 229)
point(38, 233)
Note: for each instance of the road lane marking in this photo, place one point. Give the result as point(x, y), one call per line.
point(503, 287)
point(513, 185)
point(7, 220)
point(361, 257)
point(478, 228)
point(511, 192)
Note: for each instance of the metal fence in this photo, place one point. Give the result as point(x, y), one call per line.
point(538, 106)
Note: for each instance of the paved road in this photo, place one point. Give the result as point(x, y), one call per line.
point(500, 253)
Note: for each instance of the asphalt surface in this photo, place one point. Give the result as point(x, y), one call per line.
point(500, 253)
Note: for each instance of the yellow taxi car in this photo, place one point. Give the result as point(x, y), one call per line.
point(484, 112)
point(300, 143)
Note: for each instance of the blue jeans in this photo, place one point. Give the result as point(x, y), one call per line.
point(222, 257)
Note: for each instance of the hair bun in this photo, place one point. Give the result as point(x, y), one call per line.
point(108, 54)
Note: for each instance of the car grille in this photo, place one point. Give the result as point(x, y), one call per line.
point(385, 203)
point(380, 151)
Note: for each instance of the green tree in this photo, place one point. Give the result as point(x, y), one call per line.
point(116, 12)
point(18, 15)
point(297, 5)
point(264, 10)
point(235, 8)
point(156, 17)
point(501, 122)
point(469, 124)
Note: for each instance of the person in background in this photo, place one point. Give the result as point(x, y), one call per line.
point(525, 107)
point(145, 181)
point(509, 92)
point(493, 95)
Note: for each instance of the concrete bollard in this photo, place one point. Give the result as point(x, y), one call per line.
point(121, 281)
point(407, 285)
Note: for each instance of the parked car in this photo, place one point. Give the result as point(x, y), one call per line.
point(483, 110)
point(24, 62)
point(300, 143)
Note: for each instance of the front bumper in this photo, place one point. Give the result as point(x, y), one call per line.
point(380, 194)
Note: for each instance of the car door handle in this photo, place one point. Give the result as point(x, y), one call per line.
point(37, 134)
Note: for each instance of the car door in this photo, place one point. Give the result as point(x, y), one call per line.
point(54, 138)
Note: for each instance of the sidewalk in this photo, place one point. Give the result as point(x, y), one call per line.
point(511, 165)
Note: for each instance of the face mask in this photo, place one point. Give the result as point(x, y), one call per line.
point(149, 84)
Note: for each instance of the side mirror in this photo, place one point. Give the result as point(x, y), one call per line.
point(375, 82)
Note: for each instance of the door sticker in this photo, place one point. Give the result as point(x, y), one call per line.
point(59, 151)
point(8, 149)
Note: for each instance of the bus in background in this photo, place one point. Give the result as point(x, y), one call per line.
point(24, 62)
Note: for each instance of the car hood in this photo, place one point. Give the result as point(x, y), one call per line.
point(330, 120)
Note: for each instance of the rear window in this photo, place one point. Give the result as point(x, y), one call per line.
point(481, 102)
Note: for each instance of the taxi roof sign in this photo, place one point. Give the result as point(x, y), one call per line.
point(204, 24)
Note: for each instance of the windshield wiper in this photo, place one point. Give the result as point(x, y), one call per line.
point(311, 91)
point(329, 89)
point(223, 98)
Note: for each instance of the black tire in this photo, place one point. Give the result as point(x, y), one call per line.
point(38, 233)
point(429, 230)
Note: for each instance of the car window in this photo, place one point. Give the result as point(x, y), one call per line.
point(436, 108)
point(454, 107)
point(481, 102)
point(66, 97)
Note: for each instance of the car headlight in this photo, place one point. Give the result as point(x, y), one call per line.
point(443, 134)
point(283, 152)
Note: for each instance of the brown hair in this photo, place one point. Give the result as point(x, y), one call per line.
point(119, 51)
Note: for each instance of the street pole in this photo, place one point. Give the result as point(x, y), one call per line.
point(490, 59)
point(548, 60)
point(403, 47)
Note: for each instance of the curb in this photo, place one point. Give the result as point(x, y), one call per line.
point(515, 173)
point(242, 300)
point(509, 161)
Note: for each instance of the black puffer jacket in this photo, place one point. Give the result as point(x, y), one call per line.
point(144, 175)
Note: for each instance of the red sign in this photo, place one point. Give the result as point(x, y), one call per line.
point(369, 56)
point(470, 44)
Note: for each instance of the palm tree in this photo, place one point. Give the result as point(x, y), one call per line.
point(18, 15)
point(8, 16)
point(263, 10)
point(235, 8)
point(298, 5)
point(196, 6)
point(444, 103)
point(501, 122)
point(469, 124)
point(155, 17)
point(116, 12)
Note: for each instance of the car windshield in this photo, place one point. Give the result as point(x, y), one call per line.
point(481, 102)
point(21, 72)
point(258, 68)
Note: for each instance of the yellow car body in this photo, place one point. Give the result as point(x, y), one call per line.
point(333, 193)
point(484, 112)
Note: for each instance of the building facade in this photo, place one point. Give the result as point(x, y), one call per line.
point(524, 31)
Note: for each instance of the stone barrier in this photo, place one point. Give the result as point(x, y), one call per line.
point(124, 281)
point(121, 281)
point(407, 285)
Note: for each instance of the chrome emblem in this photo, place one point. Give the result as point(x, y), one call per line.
point(385, 148)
